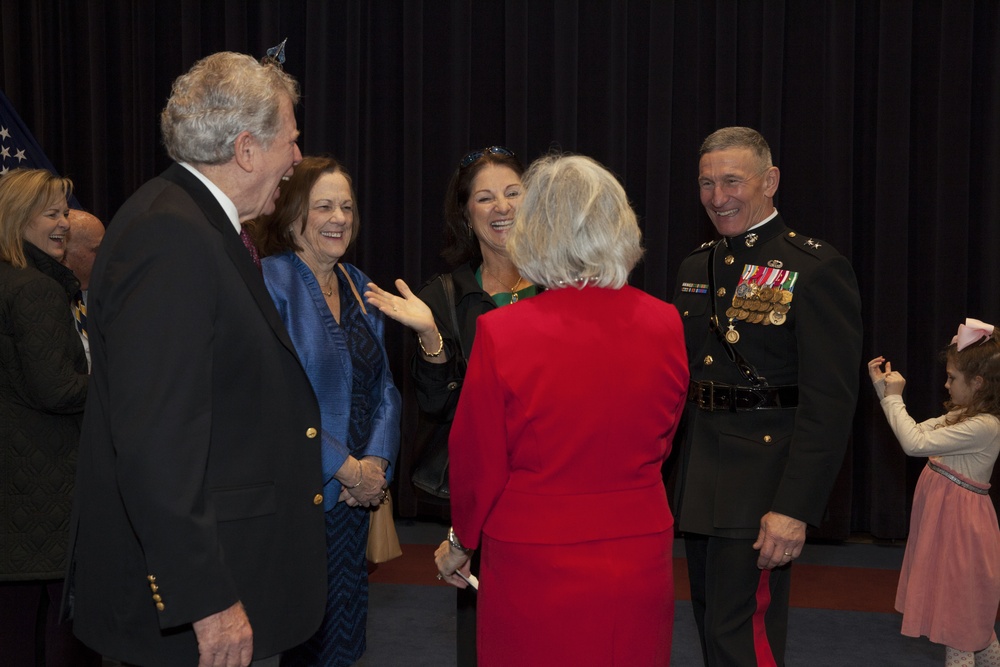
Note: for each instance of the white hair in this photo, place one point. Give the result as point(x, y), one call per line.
point(575, 225)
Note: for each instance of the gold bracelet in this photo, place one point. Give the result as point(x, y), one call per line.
point(432, 354)
point(361, 475)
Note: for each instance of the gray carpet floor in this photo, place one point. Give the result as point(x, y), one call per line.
point(414, 626)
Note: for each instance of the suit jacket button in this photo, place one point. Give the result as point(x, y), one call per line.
point(318, 499)
point(709, 360)
point(157, 598)
point(310, 432)
point(160, 606)
point(767, 440)
point(452, 386)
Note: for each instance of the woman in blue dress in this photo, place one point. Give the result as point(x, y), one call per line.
point(339, 339)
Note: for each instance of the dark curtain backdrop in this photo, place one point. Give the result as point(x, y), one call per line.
point(882, 116)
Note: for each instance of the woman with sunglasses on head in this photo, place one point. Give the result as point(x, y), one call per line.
point(559, 439)
point(479, 208)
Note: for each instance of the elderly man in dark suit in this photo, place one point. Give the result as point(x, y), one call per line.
point(197, 534)
point(772, 320)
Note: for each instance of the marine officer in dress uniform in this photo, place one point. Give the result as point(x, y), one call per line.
point(772, 321)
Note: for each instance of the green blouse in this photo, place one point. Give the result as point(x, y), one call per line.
point(507, 298)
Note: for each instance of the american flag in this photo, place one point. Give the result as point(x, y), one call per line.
point(17, 147)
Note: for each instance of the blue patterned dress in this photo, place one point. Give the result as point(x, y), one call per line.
point(340, 640)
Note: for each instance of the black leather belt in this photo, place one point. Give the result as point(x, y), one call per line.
point(714, 396)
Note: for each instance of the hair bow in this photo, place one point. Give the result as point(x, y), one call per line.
point(973, 331)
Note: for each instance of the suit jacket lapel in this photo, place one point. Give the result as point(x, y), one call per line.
point(233, 244)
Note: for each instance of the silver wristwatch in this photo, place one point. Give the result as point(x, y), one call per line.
point(453, 541)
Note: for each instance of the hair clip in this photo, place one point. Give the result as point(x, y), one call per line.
point(275, 55)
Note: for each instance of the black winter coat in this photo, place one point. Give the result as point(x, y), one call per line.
point(43, 387)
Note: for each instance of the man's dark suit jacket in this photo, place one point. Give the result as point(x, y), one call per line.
point(199, 475)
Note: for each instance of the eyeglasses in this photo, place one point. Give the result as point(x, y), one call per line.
point(492, 150)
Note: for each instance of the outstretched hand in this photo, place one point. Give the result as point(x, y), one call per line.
point(407, 308)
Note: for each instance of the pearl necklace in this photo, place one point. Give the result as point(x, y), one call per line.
point(513, 290)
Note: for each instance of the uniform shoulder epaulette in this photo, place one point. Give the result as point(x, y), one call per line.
point(809, 245)
point(707, 245)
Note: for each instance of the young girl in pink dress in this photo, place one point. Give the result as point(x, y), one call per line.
point(949, 586)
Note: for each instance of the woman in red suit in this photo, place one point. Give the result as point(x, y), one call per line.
point(570, 404)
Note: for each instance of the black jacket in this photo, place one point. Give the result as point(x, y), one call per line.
point(199, 481)
point(43, 387)
point(737, 466)
point(438, 385)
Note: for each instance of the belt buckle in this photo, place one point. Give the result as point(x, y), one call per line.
point(706, 395)
point(754, 399)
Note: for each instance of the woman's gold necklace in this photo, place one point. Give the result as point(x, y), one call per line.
point(330, 285)
point(513, 290)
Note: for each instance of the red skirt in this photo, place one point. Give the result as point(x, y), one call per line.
point(949, 585)
point(607, 602)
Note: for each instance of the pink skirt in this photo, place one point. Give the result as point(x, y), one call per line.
point(949, 585)
point(606, 602)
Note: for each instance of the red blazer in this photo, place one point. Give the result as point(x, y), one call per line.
point(569, 407)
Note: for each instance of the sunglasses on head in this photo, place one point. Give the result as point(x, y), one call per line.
point(475, 155)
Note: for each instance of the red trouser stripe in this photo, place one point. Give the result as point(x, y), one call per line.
point(761, 647)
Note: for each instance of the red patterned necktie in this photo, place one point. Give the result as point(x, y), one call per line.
point(251, 247)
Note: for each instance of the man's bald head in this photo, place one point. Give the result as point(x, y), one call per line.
point(85, 235)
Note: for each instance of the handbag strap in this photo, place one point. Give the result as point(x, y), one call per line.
point(354, 289)
point(449, 294)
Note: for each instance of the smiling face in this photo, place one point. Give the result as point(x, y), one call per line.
point(276, 161)
point(48, 229)
point(329, 221)
point(736, 190)
point(960, 389)
point(495, 195)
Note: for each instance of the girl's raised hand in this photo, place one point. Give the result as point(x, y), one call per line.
point(890, 382)
point(894, 382)
point(875, 369)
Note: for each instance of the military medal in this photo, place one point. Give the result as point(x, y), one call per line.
point(732, 335)
point(763, 296)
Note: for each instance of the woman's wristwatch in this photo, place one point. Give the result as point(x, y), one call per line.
point(453, 541)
